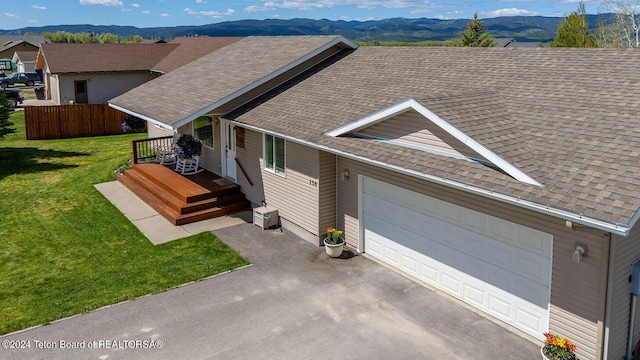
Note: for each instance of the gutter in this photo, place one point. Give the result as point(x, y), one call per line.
point(614, 228)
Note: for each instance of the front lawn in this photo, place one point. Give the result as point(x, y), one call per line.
point(64, 249)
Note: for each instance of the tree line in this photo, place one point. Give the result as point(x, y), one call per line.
point(90, 37)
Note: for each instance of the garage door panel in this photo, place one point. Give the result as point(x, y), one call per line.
point(497, 266)
point(474, 295)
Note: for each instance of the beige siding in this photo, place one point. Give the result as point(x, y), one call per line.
point(295, 195)
point(624, 251)
point(101, 87)
point(578, 289)
point(250, 157)
point(155, 131)
point(327, 192)
point(412, 128)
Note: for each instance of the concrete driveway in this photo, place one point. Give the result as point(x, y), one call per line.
point(293, 303)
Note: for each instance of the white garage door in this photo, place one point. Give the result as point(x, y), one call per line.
point(497, 266)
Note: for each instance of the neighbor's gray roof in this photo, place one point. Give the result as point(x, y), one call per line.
point(194, 87)
point(569, 118)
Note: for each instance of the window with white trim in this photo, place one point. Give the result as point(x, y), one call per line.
point(274, 154)
point(203, 130)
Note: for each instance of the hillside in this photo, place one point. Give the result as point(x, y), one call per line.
point(521, 28)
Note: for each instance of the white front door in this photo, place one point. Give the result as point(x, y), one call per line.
point(496, 266)
point(229, 153)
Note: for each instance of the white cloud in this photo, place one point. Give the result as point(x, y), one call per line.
point(135, 5)
point(125, 10)
point(508, 12)
point(201, 2)
point(10, 15)
point(146, 12)
point(38, 7)
point(102, 2)
point(213, 14)
point(165, 15)
point(34, 21)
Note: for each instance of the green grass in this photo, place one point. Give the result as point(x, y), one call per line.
point(64, 249)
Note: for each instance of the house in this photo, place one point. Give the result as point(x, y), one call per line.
point(95, 73)
point(9, 44)
point(511, 43)
point(25, 60)
point(505, 178)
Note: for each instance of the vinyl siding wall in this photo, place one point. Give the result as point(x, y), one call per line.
point(155, 131)
point(101, 87)
point(414, 129)
point(578, 289)
point(624, 251)
point(327, 192)
point(295, 195)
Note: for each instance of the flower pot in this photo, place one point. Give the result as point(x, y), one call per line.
point(333, 250)
point(542, 353)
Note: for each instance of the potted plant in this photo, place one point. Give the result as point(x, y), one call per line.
point(187, 147)
point(557, 348)
point(334, 242)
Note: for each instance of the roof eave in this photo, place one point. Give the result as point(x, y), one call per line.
point(141, 116)
point(599, 224)
point(592, 222)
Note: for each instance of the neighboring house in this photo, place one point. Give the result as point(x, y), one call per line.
point(479, 172)
point(25, 60)
point(95, 73)
point(10, 44)
point(511, 43)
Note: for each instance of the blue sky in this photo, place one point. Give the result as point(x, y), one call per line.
point(150, 13)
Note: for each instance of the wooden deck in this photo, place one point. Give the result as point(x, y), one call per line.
point(184, 199)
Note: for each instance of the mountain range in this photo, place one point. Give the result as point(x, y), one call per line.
point(521, 28)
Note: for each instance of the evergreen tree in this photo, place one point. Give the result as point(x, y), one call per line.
point(573, 31)
point(476, 34)
point(5, 112)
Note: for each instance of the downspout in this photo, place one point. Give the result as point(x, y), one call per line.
point(632, 320)
point(634, 290)
point(608, 298)
point(336, 191)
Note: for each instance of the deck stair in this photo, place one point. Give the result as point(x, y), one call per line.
point(184, 199)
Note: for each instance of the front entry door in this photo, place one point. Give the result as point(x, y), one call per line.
point(229, 154)
point(80, 87)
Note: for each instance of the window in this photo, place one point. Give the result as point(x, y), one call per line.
point(203, 130)
point(274, 149)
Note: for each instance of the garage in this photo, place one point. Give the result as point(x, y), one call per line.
point(494, 265)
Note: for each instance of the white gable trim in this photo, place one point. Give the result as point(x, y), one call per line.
point(411, 104)
point(145, 118)
point(338, 40)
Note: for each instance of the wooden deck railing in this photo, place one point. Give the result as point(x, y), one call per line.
point(145, 150)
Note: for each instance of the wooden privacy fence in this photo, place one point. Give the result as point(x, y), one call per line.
point(70, 121)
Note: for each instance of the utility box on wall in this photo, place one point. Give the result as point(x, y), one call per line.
point(265, 218)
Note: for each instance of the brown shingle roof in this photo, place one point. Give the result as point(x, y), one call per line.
point(567, 117)
point(190, 49)
point(27, 55)
point(79, 58)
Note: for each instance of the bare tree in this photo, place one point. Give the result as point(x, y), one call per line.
point(625, 29)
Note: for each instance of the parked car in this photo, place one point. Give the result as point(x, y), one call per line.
point(14, 96)
point(28, 79)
